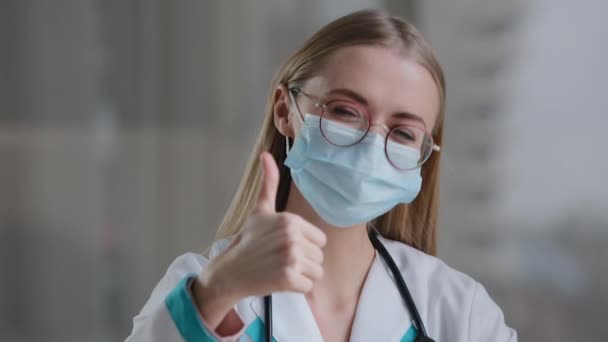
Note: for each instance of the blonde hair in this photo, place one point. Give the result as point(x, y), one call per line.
point(414, 224)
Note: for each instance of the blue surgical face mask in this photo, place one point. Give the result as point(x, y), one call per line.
point(354, 184)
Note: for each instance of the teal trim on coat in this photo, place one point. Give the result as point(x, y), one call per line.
point(185, 315)
point(410, 335)
point(255, 331)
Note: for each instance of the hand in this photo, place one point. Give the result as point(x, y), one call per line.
point(273, 252)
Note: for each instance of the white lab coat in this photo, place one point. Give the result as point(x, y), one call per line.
point(453, 306)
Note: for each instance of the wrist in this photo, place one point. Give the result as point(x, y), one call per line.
point(215, 307)
point(213, 294)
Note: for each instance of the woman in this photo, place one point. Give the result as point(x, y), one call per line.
point(336, 215)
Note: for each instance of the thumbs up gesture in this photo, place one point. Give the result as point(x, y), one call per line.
point(273, 252)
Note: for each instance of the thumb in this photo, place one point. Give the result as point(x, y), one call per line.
point(270, 183)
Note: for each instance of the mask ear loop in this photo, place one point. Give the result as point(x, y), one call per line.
point(372, 227)
point(286, 145)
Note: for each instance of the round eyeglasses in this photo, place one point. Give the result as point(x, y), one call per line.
point(345, 123)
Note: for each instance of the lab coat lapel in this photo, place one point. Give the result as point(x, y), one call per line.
point(381, 313)
point(293, 320)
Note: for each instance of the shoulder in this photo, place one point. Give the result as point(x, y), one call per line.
point(427, 268)
point(432, 279)
point(453, 303)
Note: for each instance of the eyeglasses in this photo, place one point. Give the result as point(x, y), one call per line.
point(345, 123)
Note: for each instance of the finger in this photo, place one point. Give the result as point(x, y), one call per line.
point(314, 234)
point(299, 283)
point(311, 270)
point(312, 252)
point(269, 184)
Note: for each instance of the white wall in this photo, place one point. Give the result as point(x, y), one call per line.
point(555, 146)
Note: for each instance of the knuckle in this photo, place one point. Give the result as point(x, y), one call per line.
point(291, 255)
point(288, 246)
point(284, 220)
point(293, 218)
point(289, 239)
point(291, 233)
point(295, 235)
point(290, 221)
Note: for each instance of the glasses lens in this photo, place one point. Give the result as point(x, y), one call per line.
point(408, 147)
point(343, 124)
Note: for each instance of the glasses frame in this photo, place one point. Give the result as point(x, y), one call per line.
point(294, 91)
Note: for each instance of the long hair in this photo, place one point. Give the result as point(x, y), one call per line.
point(414, 224)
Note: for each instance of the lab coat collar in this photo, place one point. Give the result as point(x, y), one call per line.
point(292, 318)
point(381, 313)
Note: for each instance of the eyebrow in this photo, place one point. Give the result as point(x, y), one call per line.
point(359, 98)
point(350, 93)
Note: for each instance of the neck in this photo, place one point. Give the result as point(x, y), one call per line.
point(348, 253)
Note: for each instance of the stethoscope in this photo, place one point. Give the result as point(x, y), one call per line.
point(403, 290)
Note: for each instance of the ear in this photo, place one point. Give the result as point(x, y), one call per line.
point(283, 114)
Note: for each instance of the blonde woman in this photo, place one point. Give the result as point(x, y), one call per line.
point(332, 233)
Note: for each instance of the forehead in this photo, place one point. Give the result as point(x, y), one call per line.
point(390, 82)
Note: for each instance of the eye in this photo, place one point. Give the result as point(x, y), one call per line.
point(294, 91)
point(343, 112)
point(403, 135)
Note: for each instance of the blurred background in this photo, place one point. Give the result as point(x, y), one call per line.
point(125, 127)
